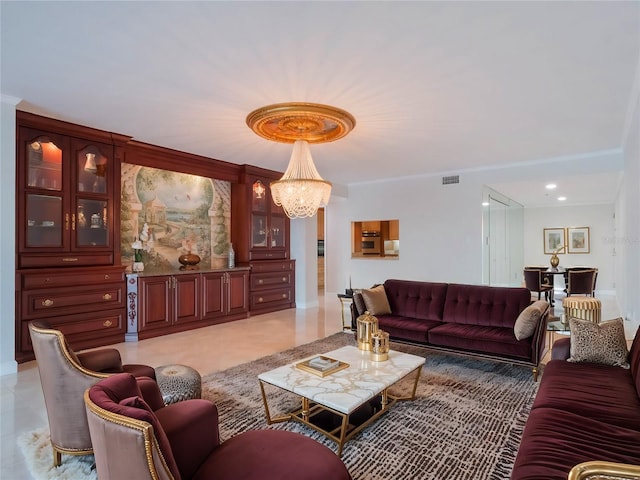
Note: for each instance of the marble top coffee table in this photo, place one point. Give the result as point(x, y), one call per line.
point(341, 404)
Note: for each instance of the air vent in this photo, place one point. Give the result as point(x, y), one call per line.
point(451, 179)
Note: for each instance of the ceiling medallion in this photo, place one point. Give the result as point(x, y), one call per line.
point(313, 122)
point(301, 190)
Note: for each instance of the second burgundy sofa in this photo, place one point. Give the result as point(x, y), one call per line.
point(472, 319)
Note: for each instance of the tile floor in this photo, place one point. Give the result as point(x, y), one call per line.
point(206, 349)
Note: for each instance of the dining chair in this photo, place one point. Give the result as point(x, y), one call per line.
point(582, 282)
point(536, 281)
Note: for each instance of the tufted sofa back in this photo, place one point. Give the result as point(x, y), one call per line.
point(422, 300)
point(483, 305)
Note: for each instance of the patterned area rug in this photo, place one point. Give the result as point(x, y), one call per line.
point(465, 423)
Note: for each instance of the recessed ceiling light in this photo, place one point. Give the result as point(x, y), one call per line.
point(562, 199)
point(550, 186)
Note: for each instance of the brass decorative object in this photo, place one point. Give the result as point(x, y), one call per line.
point(189, 261)
point(555, 261)
point(380, 346)
point(367, 325)
point(301, 190)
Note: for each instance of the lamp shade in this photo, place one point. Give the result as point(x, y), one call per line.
point(301, 190)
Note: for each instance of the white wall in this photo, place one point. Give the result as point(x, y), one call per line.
point(599, 219)
point(627, 239)
point(7, 239)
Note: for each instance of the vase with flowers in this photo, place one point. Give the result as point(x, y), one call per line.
point(143, 243)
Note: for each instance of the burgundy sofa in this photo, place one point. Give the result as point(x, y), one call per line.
point(583, 412)
point(471, 319)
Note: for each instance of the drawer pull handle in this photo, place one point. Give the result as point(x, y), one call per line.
point(47, 280)
point(284, 295)
point(107, 277)
point(284, 279)
point(70, 259)
point(106, 296)
point(260, 281)
point(260, 299)
point(107, 323)
point(47, 303)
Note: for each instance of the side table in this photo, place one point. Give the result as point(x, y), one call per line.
point(345, 299)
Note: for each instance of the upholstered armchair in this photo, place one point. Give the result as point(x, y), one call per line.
point(64, 376)
point(135, 436)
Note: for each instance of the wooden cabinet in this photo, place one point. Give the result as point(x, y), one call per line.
point(86, 304)
point(65, 227)
point(66, 210)
point(260, 228)
point(272, 286)
point(176, 302)
point(260, 234)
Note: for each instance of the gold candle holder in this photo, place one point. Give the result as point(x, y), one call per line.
point(380, 346)
point(366, 325)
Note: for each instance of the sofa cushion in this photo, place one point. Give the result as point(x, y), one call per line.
point(600, 392)
point(408, 329)
point(598, 343)
point(528, 319)
point(480, 339)
point(554, 441)
point(634, 360)
point(375, 299)
point(419, 300)
point(487, 306)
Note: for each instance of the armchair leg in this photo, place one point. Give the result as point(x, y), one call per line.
point(57, 456)
point(535, 374)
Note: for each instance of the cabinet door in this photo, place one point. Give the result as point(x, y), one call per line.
point(269, 224)
point(213, 295)
point(187, 297)
point(238, 292)
point(155, 302)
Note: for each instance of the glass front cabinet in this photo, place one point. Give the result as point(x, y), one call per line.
point(65, 205)
point(269, 225)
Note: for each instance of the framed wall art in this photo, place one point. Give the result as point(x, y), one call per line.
point(578, 240)
point(554, 241)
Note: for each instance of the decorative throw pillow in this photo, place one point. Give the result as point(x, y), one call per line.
point(598, 343)
point(375, 299)
point(528, 319)
point(359, 301)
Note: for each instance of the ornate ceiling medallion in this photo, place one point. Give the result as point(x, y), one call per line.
point(288, 122)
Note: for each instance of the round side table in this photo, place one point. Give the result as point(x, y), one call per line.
point(178, 382)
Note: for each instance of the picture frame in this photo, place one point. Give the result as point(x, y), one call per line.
point(578, 240)
point(554, 239)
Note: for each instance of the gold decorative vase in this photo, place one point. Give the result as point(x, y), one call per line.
point(380, 346)
point(366, 325)
point(555, 261)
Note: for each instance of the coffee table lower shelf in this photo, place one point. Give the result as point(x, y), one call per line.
point(338, 426)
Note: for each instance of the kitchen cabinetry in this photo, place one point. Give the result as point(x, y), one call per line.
point(260, 234)
point(166, 303)
point(86, 304)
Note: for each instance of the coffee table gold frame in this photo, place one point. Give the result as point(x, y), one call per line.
point(346, 431)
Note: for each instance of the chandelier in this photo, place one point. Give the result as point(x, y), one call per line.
point(301, 190)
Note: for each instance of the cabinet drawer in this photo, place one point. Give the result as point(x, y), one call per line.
point(82, 330)
point(273, 297)
point(53, 302)
point(31, 260)
point(64, 279)
point(253, 255)
point(262, 281)
point(262, 267)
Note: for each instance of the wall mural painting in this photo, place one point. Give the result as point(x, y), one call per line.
point(184, 214)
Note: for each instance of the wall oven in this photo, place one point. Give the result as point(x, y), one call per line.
point(370, 242)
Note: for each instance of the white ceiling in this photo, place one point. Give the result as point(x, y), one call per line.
point(436, 87)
